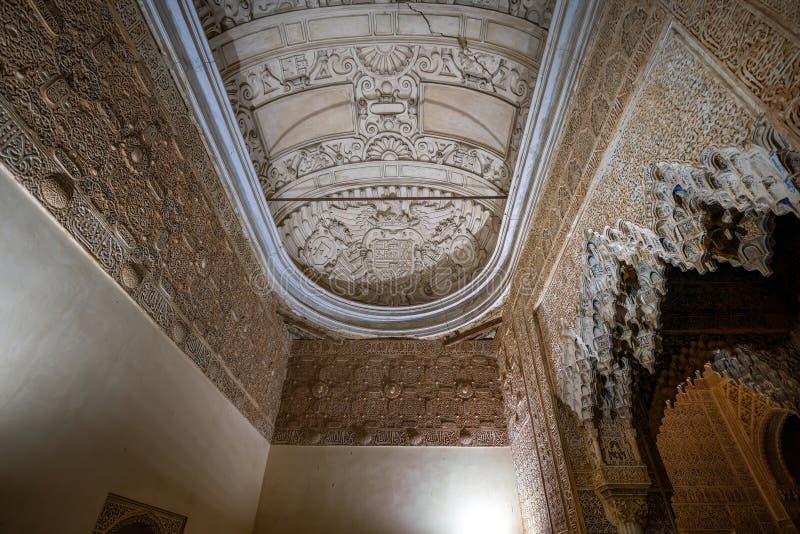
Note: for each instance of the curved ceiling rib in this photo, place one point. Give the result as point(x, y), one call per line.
point(384, 141)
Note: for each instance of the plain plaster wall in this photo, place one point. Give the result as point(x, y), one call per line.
point(94, 398)
point(388, 490)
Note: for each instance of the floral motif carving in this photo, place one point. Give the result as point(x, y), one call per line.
point(388, 86)
point(218, 16)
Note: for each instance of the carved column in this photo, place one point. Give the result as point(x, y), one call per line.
point(621, 477)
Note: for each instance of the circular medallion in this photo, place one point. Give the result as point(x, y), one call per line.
point(392, 390)
point(319, 390)
point(56, 191)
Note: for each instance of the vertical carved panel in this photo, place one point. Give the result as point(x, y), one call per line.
point(92, 125)
point(529, 402)
point(706, 441)
point(523, 437)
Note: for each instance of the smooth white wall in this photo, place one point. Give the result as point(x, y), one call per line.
point(94, 398)
point(388, 490)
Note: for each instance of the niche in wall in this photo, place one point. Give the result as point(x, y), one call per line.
point(121, 515)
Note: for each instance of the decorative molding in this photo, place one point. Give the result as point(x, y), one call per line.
point(544, 484)
point(446, 107)
point(217, 17)
point(391, 393)
point(119, 512)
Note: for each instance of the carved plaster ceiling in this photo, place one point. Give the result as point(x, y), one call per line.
point(383, 159)
point(217, 16)
point(384, 137)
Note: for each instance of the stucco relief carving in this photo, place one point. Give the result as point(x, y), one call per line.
point(452, 101)
point(718, 211)
point(712, 441)
point(387, 101)
point(218, 16)
point(622, 47)
point(543, 479)
point(391, 252)
point(748, 39)
point(658, 123)
point(618, 310)
point(93, 127)
point(391, 393)
point(768, 373)
point(701, 215)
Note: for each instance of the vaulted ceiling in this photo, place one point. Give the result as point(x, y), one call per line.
point(383, 158)
point(384, 136)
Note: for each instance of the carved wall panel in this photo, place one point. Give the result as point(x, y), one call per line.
point(218, 16)
point(753, 44)
point(701, 215)
point(625, 117)
point(548, 499)
point(94, 128)
point(384, 392)
point(443, 95)
point(709, 442)
point(623, 43)
point(658, 126)
point(119, 512)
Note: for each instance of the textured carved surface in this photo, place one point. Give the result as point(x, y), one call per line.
point(119, 512)
point(701, 215)
point(658, 126)
point(322, 114)
point(543, 482)
point(623, 42)
point(218, 16)
point(712, 472)
point(391, 393)
point(93, 127)
point(748, 43)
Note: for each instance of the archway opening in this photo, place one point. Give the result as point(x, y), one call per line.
point(136, 528)
point(789, 441)
point(704, 315)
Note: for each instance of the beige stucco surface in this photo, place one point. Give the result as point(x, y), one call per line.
point(94, 398)
point(388, 490)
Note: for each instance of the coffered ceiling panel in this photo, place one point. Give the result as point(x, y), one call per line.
point(458, 113)
point(324, 113)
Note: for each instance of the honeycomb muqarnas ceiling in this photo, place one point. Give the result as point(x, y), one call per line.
point(384, 136)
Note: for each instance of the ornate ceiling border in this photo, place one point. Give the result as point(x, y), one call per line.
point(184, 42)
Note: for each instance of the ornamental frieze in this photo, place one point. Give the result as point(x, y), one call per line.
point(218, 16)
